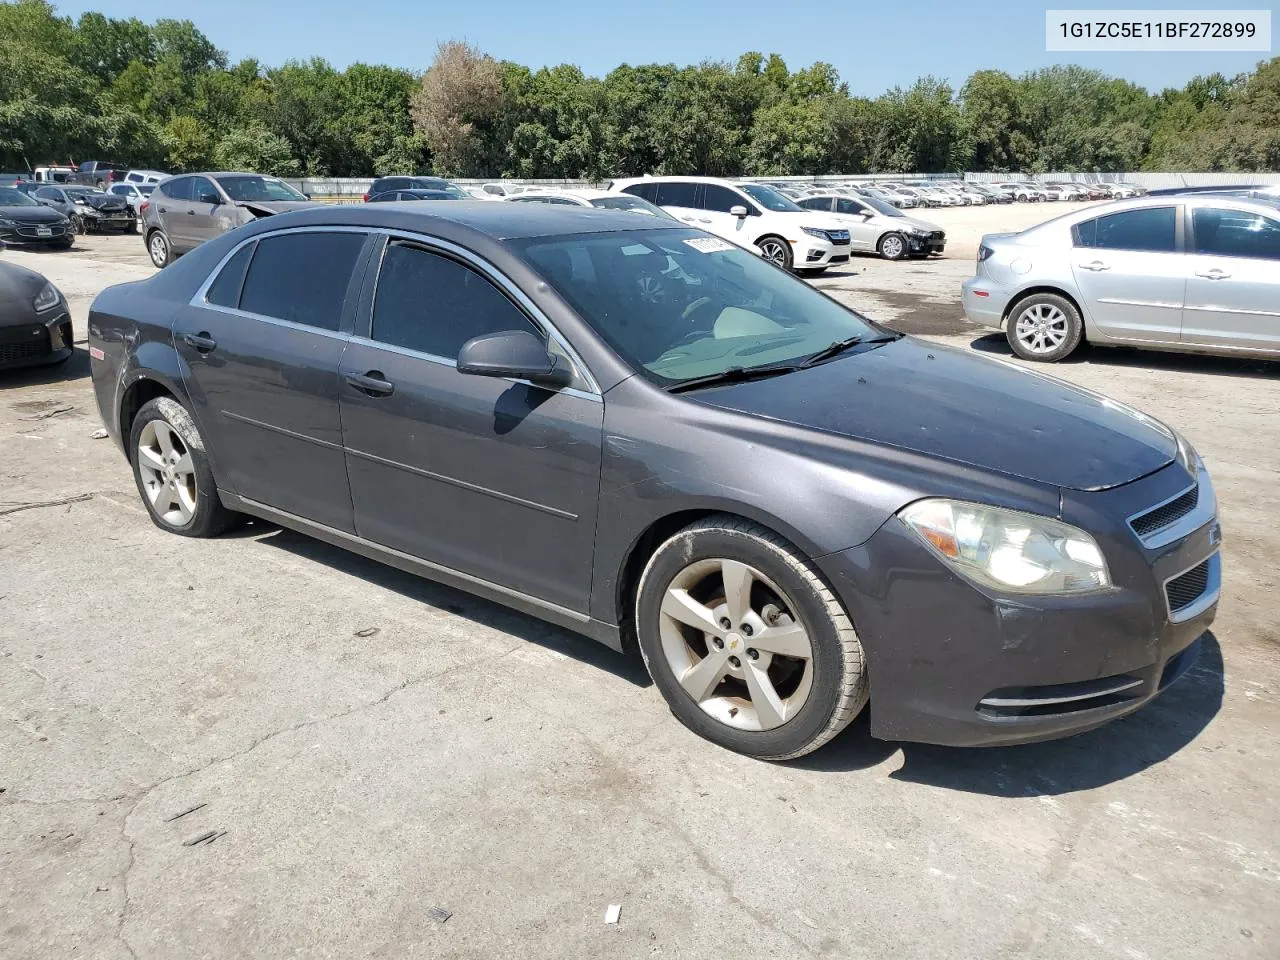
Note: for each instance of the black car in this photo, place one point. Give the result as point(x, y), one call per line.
point(644, 433)
point(391, 196)
point(35, 327)
point(387, 184)
point(24, 220)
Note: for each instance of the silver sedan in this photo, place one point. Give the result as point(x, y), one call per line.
point(1196, 273)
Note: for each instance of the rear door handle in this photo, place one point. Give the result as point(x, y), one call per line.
point(1214, 274)
point(201, 341)
point(1095, 265)
point(687, 219)
point(163, 209)
point(371, 383)
point(191, 213)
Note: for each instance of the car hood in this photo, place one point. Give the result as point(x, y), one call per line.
point(975, 410)
point(18, 287)
point(900, 223)
point(266, 208)
point(40, 214)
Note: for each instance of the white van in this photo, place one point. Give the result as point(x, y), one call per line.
point(751, 215)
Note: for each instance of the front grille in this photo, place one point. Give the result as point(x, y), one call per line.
point(839, 238)
point(1184, 590)
point(56, 231)
point(1166, 514)
point(1013, 703)
point(23, 343)
point(937, 235)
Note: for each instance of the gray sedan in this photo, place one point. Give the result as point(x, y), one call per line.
point(185, 211)
point(1196, 273)
point(88, 209)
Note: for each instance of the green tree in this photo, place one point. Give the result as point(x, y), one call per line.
point(104, 48)
point(257, 149)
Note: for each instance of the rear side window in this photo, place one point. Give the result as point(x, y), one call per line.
point(1152, 229)
point(850, 206)
point(302, 277)
point(178, 189)
point(645, 191)
point(49, 193)
point(1235, 233)
point(678, 194)
point(225, 290)
point(432, 304)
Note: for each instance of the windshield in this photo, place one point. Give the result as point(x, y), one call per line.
point(251, 187)
point(768, 198)
point(678, 304)
point(9, 197)
point(624, 201)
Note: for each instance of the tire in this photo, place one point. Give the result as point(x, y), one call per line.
point(65, 243)
point(158, 248)
point(178, 500)
point(77, 224)
point(1044, 327)
point(893, 246)
point(780, 250)
point(819, 694)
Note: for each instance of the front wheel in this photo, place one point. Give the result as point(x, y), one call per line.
point(776, 250)
point(158, 248)
point(172, 471)
point(892, 246)
point(1044, 327)
point(747, 644)
point(77, 224)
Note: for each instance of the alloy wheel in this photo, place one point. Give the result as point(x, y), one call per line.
point(891, 247)
point(1042, 328)
point(77, 223)
point(774, 251)
point(158, 248)
point(734, 643)
point(168, 474)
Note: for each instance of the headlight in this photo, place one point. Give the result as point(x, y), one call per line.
point(1187, 455)
point(8, 224)
point(47, 298)
point(1007, 550)
point(82, 201)
point(815, 232)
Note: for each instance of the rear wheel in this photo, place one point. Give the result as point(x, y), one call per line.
point(745, 641)
point(1044, 327)
point(776, 250)
point(158, 248)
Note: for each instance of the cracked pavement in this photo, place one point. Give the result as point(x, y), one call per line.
point(376, 745)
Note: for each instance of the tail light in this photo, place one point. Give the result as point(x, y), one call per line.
point(984, 252)
point(365, 198)
point(142, 207)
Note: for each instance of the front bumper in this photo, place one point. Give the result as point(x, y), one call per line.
point(984, 302)
point(32, 233)
point(812, 252)
point(952, 664)
point(46, 340)
point(935, 242)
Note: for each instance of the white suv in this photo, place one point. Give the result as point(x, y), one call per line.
point(751, 215)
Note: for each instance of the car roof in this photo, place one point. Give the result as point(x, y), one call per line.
point(498, 221)
point(579, 193)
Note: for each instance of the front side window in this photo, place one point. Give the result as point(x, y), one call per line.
point(678, 194)
point(433, 304)
point(720, 199)
point(203, 191)
point(302, 277)
point(1235, 233)
point(251, 187)
point(1151, 229)
point(49, 193)
point(120, 190)
point(677, 304)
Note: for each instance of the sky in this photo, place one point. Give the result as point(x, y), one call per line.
point(874, 45)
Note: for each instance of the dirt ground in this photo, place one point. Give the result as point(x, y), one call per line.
point(402, 770)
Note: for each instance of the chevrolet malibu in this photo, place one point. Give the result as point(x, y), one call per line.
point(644, 433)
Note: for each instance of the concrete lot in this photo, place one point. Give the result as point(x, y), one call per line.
point(376, 746)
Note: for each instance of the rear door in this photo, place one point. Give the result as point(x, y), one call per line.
point(681, 199)
point(1233, 279)
point(262, 342)
point(173, 203)
point(495, 478)
point(1131, 273)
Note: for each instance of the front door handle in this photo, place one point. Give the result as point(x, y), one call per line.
point(1214, 274)
point(371, 383)
point(163, 209)
point(191, 213)
point(201, 341)
point(687, 219)
point(1095, 266)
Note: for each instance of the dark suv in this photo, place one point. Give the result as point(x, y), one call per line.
point(99, 173)
point(386, 184)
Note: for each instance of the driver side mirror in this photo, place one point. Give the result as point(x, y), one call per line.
point(517, 354)
point(738, 211)
point(210, 198)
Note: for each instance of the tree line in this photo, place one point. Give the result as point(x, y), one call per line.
point(163, 95)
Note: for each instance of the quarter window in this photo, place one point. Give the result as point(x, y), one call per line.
point(678, 194)
point(302, 277)
point(1151, 229)
point(720, 199)
point(1235, 233)
point(225, 290)
point(433, 304)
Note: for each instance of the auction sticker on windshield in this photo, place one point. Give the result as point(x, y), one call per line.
point(708, 244)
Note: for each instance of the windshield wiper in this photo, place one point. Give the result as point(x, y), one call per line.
point(732, 375)
point(840, 346)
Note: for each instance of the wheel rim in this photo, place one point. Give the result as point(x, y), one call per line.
point(892, 247)
point(1042, 328)
point(754, 674)
point(774, 252)
point(77, 223)
point(168, 474)
point(158, 249)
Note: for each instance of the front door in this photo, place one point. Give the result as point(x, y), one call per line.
point(1233, 280)
point(495, 478)
point(262, 350)
point(1130, 273)
point(864, 225)
point(207, 214)
point(681, 199)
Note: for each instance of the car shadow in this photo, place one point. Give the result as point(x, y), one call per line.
point(1108, 754)
point(75, 367)
point(441, 597)
point(1146, 359)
